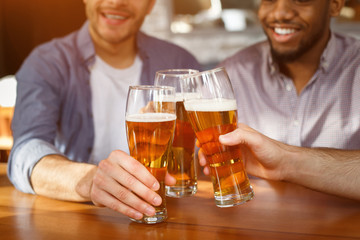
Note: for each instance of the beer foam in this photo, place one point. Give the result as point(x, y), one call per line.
point(210, 105)
point(150, 117)
point(181, 96)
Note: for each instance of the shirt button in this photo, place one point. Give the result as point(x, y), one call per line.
point(296, 123)
point(272, 69)
point(288, 87)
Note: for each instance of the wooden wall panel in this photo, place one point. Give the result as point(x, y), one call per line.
point(25, 24)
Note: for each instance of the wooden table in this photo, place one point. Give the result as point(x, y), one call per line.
point(278, 211)
point(5, 147)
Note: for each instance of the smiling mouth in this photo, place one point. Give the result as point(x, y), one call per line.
point(115, 17)
point(284, 31)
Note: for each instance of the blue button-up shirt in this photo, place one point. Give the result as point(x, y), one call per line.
point(53, 113)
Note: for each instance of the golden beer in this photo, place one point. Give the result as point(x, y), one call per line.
point(182, 164)
point(210, 119)
point(150, 137)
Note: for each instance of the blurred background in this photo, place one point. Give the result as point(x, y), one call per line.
point(210, 29)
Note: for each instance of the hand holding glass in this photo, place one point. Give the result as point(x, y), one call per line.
point(150, 123)
point(211, 106)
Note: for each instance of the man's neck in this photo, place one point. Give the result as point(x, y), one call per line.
point(300, 72)
point(120, 55)
point(303, 69)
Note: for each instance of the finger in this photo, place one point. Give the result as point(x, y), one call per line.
point(106, 192)
point(109, 201)
point(169, 180)
point(241, 135)
point(202, 159)
point(128, 181)
point(206, 170)
point(136, 169)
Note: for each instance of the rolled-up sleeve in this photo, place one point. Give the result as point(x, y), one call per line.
point(24, 158)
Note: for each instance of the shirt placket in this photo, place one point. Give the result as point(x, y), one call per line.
point(294, 115)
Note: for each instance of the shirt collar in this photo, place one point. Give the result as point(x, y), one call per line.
point(142, 43)
point(86, 45)
point(273, 66)
point(329, 54)
point(87, 49)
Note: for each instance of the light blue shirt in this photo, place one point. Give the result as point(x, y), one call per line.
point(53, 113)
point(325, 114)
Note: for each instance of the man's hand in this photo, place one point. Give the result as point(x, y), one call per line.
point(264, 157)
point(126, 186)
point(119, 182)
point(333, 171)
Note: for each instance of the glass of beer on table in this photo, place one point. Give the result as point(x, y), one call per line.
point(211, 106)
point(150, 123)
point(181, 165)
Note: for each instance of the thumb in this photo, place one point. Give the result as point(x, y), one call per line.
point(231, 138)
point(242, 135)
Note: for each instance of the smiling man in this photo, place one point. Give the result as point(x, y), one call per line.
point(69, 127)
point(299, 95)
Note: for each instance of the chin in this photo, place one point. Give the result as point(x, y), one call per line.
point(286, 56)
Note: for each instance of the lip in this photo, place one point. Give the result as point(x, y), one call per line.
point(284, 33)
point(114, 17)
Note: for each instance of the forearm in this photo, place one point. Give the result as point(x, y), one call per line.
point(327, 170)
point(56, 177)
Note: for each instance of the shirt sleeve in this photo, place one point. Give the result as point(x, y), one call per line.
point(24, 158)
point(36, 115)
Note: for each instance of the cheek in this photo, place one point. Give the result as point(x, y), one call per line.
point(261, 14)
point(314, 21)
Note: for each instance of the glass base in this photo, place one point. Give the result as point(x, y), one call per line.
point(180, 191)
point(233, 199)
point(160, 216)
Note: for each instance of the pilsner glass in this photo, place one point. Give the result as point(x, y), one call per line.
point(212, 110)
point(182, 165)
point(150, 123)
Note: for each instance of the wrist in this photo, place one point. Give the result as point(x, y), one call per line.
point(83, 187)
point(292, 163)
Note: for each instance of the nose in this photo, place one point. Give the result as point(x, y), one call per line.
point(283, 10)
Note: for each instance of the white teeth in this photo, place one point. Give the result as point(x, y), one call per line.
point(284, 31)
point(110, 16)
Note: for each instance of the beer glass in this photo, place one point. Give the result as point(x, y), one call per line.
point(181, 165)
point(150, 123)
point(212, 110)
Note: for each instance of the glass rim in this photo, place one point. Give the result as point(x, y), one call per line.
point(210, 71)
point(173, 71)
point(152, 87)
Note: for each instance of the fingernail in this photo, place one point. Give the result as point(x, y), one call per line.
point(223, 138)
point(157, 201)
point(138, 215)
point(150, 211)
point(155, 186)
